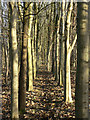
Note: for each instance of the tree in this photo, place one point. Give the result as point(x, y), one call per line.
point(14, 58)
point(30, 62)
point(82, 76)
point(62, 44)
point(58, 47)
point(35, 36)
point(0, 67)
point(52, 26)
point(68, 97)
point(23, 67)
point(89, 31)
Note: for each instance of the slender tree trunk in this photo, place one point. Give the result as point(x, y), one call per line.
point(36, 33)
point(54, 33)
point(89, 38)
point(34, 51)
point(89, 42)
point(0, 64)
point(39, 49)
point(30, 64)
point(49, 22)
point(23, 67)
point(68, 97)
point(55, 56)
point(82, 76)
point(51, 39)
point(62, 45)
point(10, 46)
point(49, 58)
point(37, 55)
point(58, 48)
point(14, 52)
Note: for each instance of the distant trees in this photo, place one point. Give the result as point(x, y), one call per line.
point(45, 33)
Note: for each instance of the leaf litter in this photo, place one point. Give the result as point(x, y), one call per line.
point(45, 101)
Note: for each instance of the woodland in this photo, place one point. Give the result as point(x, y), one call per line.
point(44, 60)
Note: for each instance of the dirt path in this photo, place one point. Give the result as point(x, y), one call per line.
point(45, 102)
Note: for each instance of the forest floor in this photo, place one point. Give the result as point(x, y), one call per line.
point(45, 102)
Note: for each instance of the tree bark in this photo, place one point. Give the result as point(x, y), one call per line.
point(23, 67)
point(14, 53)
point(67, 92)
point(30, 64)
point(82, 76)
point(62, 45)
point(50, 54)
point(0, 65)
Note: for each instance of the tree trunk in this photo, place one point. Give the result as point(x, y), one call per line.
point(23, 67)
point(62, 45)
point(0, 66)
point(33, 51)
point(30, 64)
point(68, 97)
point(14, 52)
point(50, 54)
point(82, 76)
point(36, 34)
point(58, 48)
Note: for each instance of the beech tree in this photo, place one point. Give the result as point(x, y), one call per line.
point(30, 62)
point(62, 45)
point(14, 58)
point(58, 46)
point(51, 39)
point(82, 77)
point(42, 36)
point(68, 50)
point(0, 66)
point(23, 66)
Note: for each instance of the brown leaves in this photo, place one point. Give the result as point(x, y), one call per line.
point(49, 99)
point(46, 101)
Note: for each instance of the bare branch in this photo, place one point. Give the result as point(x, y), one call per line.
point(73, 44)
point(20, 13)
point(39, 10)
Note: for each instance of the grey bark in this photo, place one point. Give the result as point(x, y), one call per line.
point(82, 77)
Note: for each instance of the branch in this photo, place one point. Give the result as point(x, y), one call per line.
point(50, 48)
point(73, 44)
point(20, 13)
point(39, 10)
point(28, 6)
